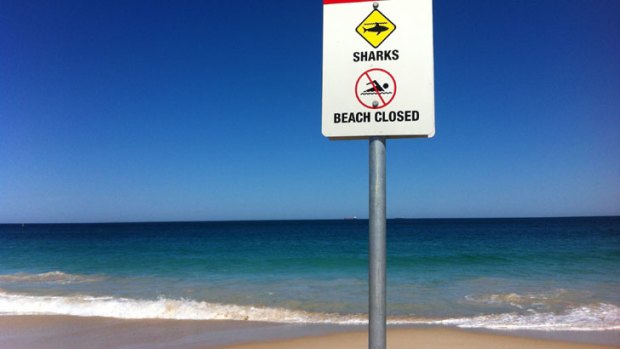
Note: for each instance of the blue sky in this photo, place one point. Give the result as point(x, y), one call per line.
point(205, 110)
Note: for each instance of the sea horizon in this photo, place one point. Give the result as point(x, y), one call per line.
point(353, 218)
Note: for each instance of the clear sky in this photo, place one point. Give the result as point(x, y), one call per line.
point(211, 110)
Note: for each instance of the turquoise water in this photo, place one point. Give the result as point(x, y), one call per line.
point(541, 274)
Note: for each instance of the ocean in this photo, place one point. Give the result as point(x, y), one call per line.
point(552, 274)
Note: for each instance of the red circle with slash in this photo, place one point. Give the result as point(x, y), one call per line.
point(375, 85)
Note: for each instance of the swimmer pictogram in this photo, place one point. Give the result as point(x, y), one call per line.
point(375, 88)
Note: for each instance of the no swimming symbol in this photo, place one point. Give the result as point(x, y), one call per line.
point(375, 88)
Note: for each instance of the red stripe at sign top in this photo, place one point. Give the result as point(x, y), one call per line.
point(329, 2)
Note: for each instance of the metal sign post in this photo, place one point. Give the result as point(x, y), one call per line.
point(378, 83)
point(377, 248)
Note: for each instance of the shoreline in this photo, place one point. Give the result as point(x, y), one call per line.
point(56, 332)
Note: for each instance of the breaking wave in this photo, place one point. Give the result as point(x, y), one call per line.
point(54, 277)
point(596, 317)
point(550, 300)
point(177, 309)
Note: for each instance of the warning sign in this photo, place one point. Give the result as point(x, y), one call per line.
point(378, 80)
point(375, 88)
point(375, 28)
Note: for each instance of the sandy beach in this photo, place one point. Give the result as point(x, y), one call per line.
point(61, 332)
point(421, 338)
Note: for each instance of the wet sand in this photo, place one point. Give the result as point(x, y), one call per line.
point(61, 332)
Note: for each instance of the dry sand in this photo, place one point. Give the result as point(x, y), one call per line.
point(421, 338)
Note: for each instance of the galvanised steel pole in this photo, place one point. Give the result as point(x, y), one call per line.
point(377, 232)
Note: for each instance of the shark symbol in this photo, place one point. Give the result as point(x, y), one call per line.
point(378, 28)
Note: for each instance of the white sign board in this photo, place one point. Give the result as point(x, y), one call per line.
point(378, 76)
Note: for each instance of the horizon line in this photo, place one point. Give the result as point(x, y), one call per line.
point(309, 220)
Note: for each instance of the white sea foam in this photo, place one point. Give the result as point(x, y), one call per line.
point(53, 277)
point(15, 304)
point(597, 317)
point(591, 318)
